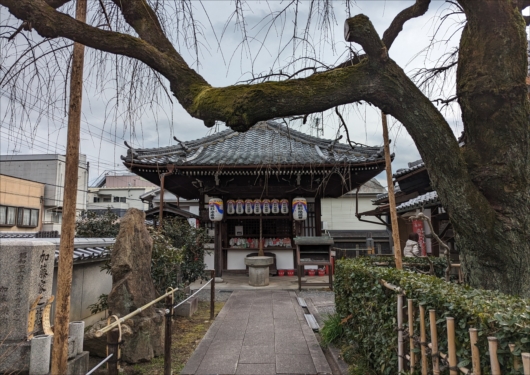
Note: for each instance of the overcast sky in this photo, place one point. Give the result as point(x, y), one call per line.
point(104, 131)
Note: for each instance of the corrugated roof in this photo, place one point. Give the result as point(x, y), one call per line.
point(265, 143)
point(425, 200)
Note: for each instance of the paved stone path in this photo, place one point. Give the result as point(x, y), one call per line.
point(259, 332)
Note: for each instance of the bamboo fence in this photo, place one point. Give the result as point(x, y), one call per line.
point(431, 357)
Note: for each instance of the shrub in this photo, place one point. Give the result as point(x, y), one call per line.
point(369, 312)
point(92, 225)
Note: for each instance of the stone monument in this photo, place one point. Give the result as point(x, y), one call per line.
point(26, 272)
point(258, 270)
point(132, 287)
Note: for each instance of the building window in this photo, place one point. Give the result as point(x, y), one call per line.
point(117, 199)
point(123, 199)
point(96, 199)
point(27, 217)
point(7, 215)
point(106, 199)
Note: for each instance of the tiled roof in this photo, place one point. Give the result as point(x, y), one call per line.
point(265, 143)
point(425, 200)
point(85, 249)
point(383, 196)
point(404, 171)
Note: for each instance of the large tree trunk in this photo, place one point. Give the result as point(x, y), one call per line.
point(493, 97)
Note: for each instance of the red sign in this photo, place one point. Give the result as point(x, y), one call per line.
point(417, 227)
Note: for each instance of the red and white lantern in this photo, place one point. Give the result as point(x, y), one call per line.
point(249, 206)
point(215, 209)
point(266, 206)
point(284, 206)
point(240, 206)
point(299, 209)
point(257, 206)
point(231, 207)
point(275, 206)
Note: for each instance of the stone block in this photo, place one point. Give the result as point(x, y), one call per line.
point(78, 365)
point(39, 363)
point(188, 308)
point(15, 357)
point(26, 271)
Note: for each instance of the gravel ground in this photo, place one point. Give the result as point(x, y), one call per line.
point(324, 301)
point(220, 295)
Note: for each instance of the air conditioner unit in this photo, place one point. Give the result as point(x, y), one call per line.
point(325, 225)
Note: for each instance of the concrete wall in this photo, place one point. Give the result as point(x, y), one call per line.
point(127, 181)
point(131, 195)
point(49, 170)
point(16, 192)
point(236, 259)
point(88, 283)
point(339, 213)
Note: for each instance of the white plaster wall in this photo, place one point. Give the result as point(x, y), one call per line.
point(236, 259)
point(209, 257)
point(339, 213)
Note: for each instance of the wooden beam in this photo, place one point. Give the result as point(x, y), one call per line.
point(391, 197)
point(66, 247)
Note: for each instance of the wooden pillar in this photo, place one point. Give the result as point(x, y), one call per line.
point(318, 217)
point(391, 197)
point(218, 252)
point(66, 248)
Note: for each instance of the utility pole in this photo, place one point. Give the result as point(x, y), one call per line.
point(391, 196)
point(66, 249)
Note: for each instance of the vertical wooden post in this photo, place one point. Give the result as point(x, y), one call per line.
point(526, 363)
point(113, 347)
point(66, 248)
point(516, 359)
point(411, 334)
point(451, 344)
point(218, 252)
point(475, 355)
point(434, 342)
point(260, 247)
point(423, 342)
point(212, 295)
point(391, 197)
point(494, 361)
point(167, 335)
point(401, 351)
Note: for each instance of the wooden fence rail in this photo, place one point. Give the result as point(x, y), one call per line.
point(430, 351)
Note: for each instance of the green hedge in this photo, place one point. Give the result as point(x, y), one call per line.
point(370, 314)
point(421, 264)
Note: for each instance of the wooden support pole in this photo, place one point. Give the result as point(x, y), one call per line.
point(411, 334)
point(475, 355)
point(212, 295)
point(167, 334)
point(113, 347)
point(494, 361)
point(66, 247)
point(526, 363)
point(401, 351)
point(423, 342)
point(451, 346)
point(391, 197)
point(516, 359)
point(434, 343)
point(218, 251)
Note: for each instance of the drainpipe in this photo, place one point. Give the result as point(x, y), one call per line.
point(170, 170)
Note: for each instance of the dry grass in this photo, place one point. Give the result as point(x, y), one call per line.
point(187, 333)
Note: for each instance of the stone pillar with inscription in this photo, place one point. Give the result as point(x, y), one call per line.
point(26, 276)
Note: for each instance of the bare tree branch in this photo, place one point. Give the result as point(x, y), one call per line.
point(414, 11)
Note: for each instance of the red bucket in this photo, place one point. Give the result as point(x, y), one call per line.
point(321, 272)
point(311, 272)
point(281, 272)
point(290, 272)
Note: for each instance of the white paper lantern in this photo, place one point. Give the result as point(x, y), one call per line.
point(284, 206)
point(266, 206)
point(299, 209)
point(275, 206)
point(230, 207)
point(240, 206)
point(249, 206)
point(257, 206)
point(215, 209)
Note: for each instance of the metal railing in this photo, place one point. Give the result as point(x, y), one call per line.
point(113, 330)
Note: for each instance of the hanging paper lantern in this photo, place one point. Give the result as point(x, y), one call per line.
point(266, 206)
point(240, 206)
point(215, 209)
point(275, 206)
point(299, 209)
point(230, 207)
point(284, 206)
point(257, 206)
point(249, 206)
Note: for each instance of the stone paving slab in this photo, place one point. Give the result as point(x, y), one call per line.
point(259, 332)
